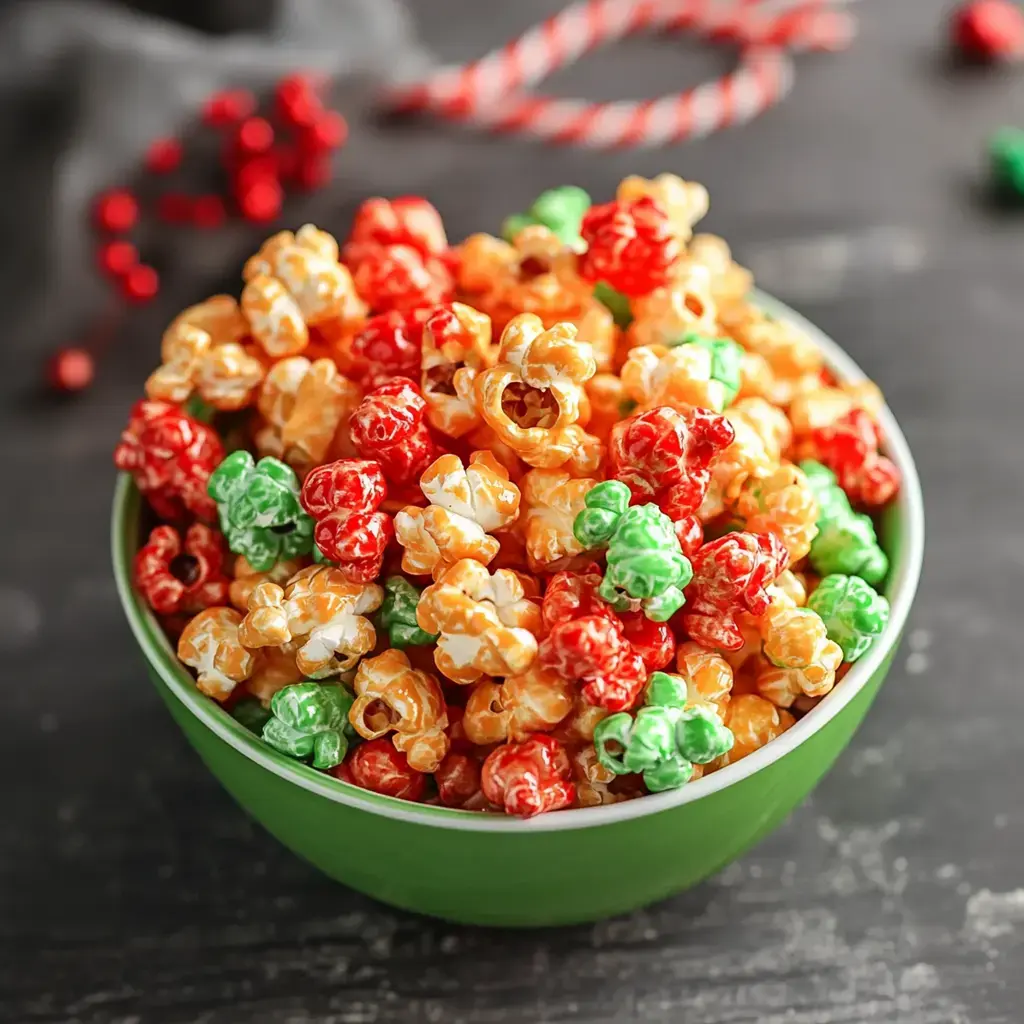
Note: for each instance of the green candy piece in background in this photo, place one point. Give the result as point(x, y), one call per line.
point(1006, 162)
point(310, 720)
point(397, 614)
point(726, 361)
point(615, 302)
point(259, 510)
point(560, 210)
point(853, 613)
point(251, 713)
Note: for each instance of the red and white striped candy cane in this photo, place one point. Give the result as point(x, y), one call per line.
point(494, 92)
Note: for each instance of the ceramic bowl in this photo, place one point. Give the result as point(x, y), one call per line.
point(560, 868)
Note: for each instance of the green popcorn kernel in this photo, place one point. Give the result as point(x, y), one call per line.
point(701, 735)
point(259, 510)
point(670, 774)
point(252, 714)
point(615, 302)
point(726, 362)
point(398, 614)
point(853, 613)
point(605, 504)
point(627, 745)
point(849, 546)
point(560, 210)
point(831, 498)
point(666, 690)
point(310, 720)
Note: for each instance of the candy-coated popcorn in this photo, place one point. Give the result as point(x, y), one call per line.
point(458, 781)
point(653, 641)
point(753, 722)
point(303, 406)
point(467, 504)
point(730, 576)
point(393, 697)
point(398, 614)
point(343, 498)
point(707, 675)
point(702, 372)
point(211, 644)
point(275, 669)
point(406, 220)
point(531, 398)
point(381, 768)
point(551, 501)
point(683, 306)
point(323, 610)
point(310, 721)
point(532, 701)
point(828, 403)
point(388, 345)
point(593, 780)
point(730, 282)
point(246, 578)
point(782, 504)
point(293, 282)
point(528, 778)
point(853, 613)
point(485, 621)
point(846, 541)
point(789, 351)
point(631, 245)
point(170, 456)
point(388, 425)
point(609, 403)
point(646, 567)
point(849, 447)
point(399, 277)
point(259, 510)
point(175, 575)
point(684, 202)
point(800, 658)
point(560, 210)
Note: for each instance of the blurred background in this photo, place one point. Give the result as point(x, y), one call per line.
point(133, 890)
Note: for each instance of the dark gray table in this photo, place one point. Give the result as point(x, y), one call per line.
point(133, 890)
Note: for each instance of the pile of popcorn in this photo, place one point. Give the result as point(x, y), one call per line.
point(519, 524)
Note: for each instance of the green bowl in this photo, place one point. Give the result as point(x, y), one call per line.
point(553, 869)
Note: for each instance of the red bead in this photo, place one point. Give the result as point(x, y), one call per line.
point(117, 210)
point(117, 257)
point(255, 136)
point(174, 207)
point(70, 369)
point(140, 284)
point(228, 107)
point(164, 156)
point(988, 30)
point(261, 202)
point(329, 131)
point(208, 211)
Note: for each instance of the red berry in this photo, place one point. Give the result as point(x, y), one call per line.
point(296, 102)
point(261, 202)
point(164, 156)
point(255, 171)
point(117, 258)
point(988, 30)
point(255, 136)
point(312, 172)
point(140, 284)
point(174, 207)
point(228, 107)
point(208, 211)
point(117, 210)
point(328, 132)
point(70, 369)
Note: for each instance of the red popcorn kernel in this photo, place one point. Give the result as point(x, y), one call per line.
point(117, 257)
point(398, 277)
point(690, 533)
point(116, 211)
point(988, 30)
point(175, 577)
point(228, 107)
point(630, 246)
point(140, 284)
point(653, 641)
point(377, 766)
point(665, 456)
point(70, 369)
point(171, 456)
point(849, 447)
point(390, 345)
point(408, 220)
point(388, 425)
point(343, 497)
point(528, 778)
point(164, 156)
point(458, 779)
point(730, 576)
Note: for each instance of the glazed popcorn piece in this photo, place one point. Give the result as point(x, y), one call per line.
point(394, 698)
point(730, 282)
point(485, 621)
point(246, 578)
point(531, 399)
point(401, 278)
point(827, 403)
point(551, 501)
point(398, 614)
point(389, 345)
point(782, 504)
point(800, 658)
point(295, 281)
point(309, 721)
point(467, 505)
point(275, 669)
point(381, 768)
point(303, 406)
point(528, 778)
point(533, 701)
point(852, 612)
point(701, 372)
point(322, 610)
point(211, 644)
point(707, 675)
point(407, 220)
point(683, 306)
point(259, 510)
point(560, 210)
point(753, 722)
point(684, 202)
point(182, 575)
point(456, 347)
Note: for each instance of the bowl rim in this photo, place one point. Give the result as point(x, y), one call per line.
point(905, 574)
